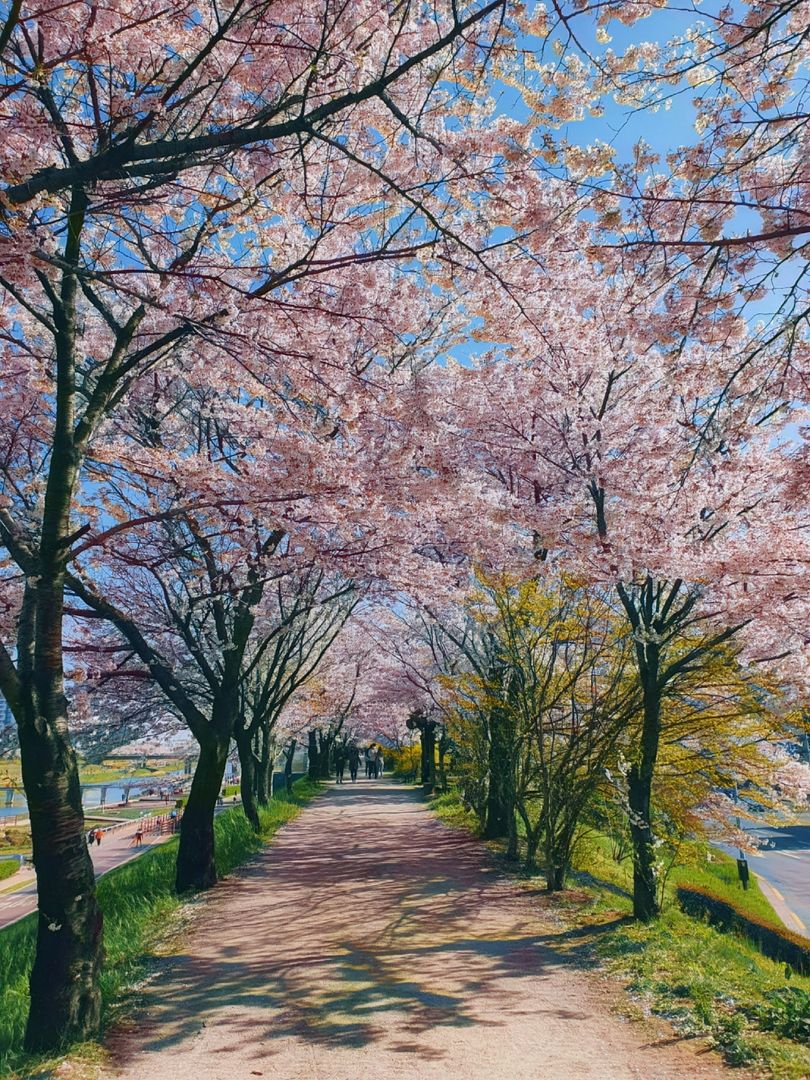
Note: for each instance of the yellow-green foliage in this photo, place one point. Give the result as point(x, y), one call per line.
point(404, 762)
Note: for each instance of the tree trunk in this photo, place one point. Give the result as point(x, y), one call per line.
point(428, 737)
point(264, 770)
point(639, 783)
point(444, 743)
point(532, 844)
point(313, 762)
point(512, 842)
point(499, 796)
point(556, 872)
point(288, 765)
point(247, 777)
point(196, 867)
point(324, 756)
point(65, 996)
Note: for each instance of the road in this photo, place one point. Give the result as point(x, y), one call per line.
point(19, 897)
point(783, 862)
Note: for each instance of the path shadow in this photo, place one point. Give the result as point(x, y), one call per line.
point(366, 920)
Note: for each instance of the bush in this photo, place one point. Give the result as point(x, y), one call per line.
point(8, 868)
point(405, 762)
point(787, 1013)
point(775, 942)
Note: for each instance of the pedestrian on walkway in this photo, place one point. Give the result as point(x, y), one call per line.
point(99, 837)
point(354, 761)
point(340, 763)
point(380, 763)
point(91, 837)
point(137, 839)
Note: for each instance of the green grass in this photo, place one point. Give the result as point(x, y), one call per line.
point(705, 982)
point(127, 813)
point(8, 868)
point(14, 839)
point(140, 908)
point(104, 772)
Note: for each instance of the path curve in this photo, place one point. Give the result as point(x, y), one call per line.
point(371, 940)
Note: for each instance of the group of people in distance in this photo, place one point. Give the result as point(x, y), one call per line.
point(350, 755)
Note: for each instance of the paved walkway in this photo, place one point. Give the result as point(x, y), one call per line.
point(370, 940)
point(18, 897)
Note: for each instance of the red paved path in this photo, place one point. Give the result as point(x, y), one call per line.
point(116, 849)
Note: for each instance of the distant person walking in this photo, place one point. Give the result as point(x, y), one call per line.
point(380, 763)
point(371, 763)
point(354, 761)
point(137, 839)
point(99, 837)
point(91, 838)
point(340, 763)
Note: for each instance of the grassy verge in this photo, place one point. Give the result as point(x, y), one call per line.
point(8, 868)
point(140, 908)
point(110, 771)
point(705, 982)
point(14, 839)
point(128, 813)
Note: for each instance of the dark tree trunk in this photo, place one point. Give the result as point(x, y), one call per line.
point(556, 873)
point(443, 746)
point(325, 743)
point(314, 765)
point(500, 799)
point(65, 997)
point(533, 834)
point(639, 785)
point(264, 770)
point(428, 735)
point(247, 778)
point(196, 867)
point(512, 851)
point(288, 766)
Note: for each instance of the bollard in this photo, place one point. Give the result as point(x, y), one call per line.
point(742, 870)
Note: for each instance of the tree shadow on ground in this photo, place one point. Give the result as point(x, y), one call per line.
point(347, 938)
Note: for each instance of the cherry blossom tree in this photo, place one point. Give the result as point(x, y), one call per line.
point(190, 188)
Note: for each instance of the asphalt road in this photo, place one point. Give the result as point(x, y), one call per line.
point(783, 861)
point(782, 865)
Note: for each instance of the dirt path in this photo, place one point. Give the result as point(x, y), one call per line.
point(369, 940)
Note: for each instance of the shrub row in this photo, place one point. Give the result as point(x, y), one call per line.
point(775, 942)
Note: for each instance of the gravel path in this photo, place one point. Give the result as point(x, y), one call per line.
point(371, 940)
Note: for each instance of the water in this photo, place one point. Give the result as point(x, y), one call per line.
point(114, 792)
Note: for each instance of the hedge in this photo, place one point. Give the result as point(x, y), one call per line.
point(775, 942)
